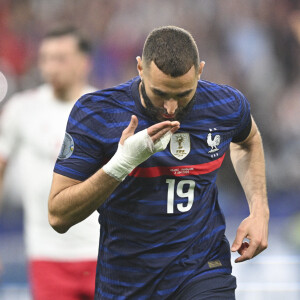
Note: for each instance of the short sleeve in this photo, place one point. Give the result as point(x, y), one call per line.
point(244, 124)
point(81, 153)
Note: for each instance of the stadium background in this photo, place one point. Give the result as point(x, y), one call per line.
point(251, 45)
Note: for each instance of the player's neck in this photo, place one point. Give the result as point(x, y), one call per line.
point(70, 93)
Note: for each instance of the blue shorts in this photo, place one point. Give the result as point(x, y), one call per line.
point(219, 287)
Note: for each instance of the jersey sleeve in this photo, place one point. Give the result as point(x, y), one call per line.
point(81, 153)
point(244, 125)
point(9, 127)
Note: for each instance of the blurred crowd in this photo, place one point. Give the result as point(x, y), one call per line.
point(252, 45)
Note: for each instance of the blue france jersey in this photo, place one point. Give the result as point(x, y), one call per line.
point(162, 228)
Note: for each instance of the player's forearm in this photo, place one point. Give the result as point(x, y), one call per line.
point(71, 201)
point(74, 203)
point(249, 164)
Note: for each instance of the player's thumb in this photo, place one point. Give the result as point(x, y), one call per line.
point(130, 129)
point(236, 245)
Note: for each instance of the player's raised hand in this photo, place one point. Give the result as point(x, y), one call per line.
point(135, 148)
point(158, 130)
point(155, 131)
point(130, 129)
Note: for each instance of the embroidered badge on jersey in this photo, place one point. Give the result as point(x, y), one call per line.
point(67, 147)
point(180, 145)
point(213, 142)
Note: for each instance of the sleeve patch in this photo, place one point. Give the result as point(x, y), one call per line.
point(67, 147)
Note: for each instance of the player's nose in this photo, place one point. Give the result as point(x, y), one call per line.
point(170, 105)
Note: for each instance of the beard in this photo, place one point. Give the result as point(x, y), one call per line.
point(156, 113)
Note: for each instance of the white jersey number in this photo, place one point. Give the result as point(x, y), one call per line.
point(188, 194)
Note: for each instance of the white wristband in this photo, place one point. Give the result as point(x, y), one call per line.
point(136, 149)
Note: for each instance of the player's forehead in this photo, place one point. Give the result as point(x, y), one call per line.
point(161, 81)
point(65, 43)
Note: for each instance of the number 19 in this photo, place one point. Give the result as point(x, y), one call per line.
point(188, 194)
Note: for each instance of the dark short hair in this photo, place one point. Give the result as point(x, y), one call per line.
point(172, 49)
point(84, 45)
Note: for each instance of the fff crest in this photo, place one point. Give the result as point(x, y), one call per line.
point(180, 145)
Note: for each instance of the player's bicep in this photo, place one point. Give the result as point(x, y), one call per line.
point(60, 183)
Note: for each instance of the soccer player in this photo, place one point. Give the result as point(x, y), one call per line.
point(145, 154)
point(33, 124)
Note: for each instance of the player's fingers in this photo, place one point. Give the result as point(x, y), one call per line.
point(155, 137)
point(130, 129)
point(155, 129)
point(239, 238)
point(158, 135)
point(175, 128)
point(242, 251)
point(250, 252)
point(243, 248)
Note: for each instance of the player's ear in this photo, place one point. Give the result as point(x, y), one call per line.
point(201, 67)
point(139, 66)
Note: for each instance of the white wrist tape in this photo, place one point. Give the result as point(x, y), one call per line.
point(136, 149)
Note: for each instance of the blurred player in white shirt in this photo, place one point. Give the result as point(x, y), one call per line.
point(32, 124)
